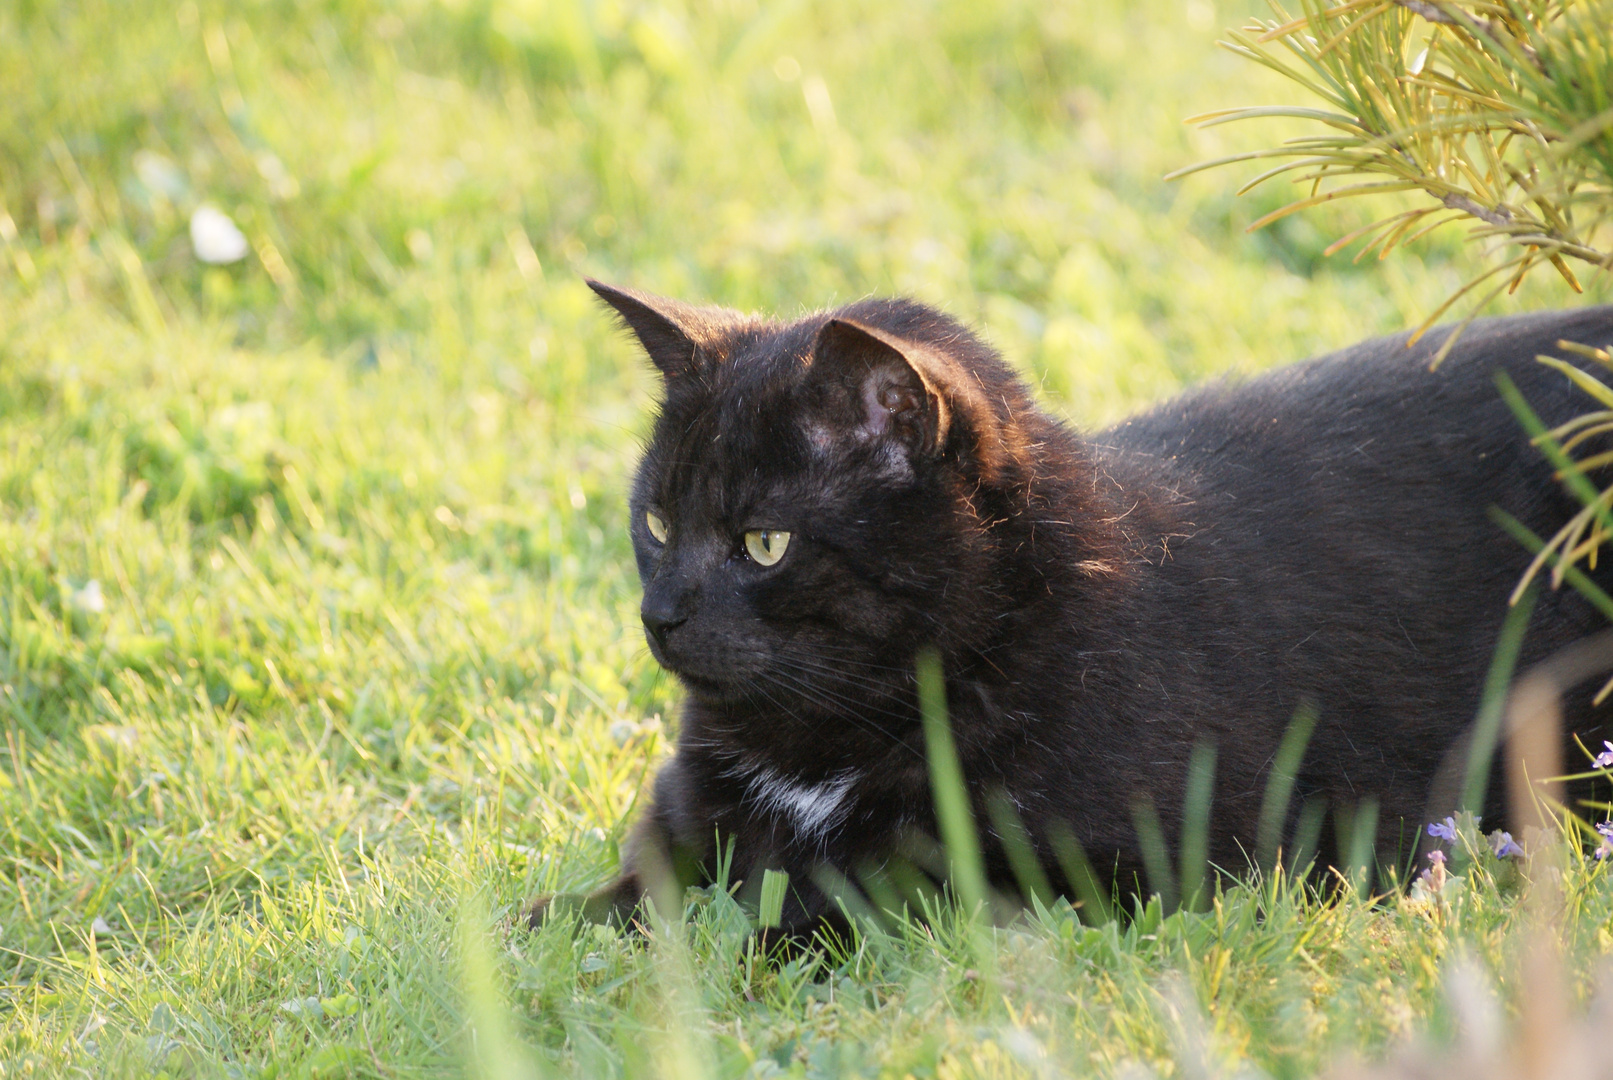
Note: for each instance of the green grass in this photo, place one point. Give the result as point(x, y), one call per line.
point(318, 641)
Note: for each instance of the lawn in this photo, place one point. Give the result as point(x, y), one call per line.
point(319, 647)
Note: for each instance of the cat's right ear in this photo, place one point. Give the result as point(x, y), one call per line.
point(666, 328)
point(879, 383)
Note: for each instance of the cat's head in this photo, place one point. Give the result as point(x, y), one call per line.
point(822, 497)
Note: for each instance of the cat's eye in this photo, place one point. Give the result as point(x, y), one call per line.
point(657, 525)
point(766, 546)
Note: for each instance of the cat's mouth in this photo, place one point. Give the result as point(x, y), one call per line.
point(715, 680)
point(705, 687)
point(711, 690)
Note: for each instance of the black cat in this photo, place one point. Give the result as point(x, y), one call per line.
point(823, 498)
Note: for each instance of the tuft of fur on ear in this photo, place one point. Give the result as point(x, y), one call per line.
point(879, 380)
point(676, 336)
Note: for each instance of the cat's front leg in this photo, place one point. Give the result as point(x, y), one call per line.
point(808, 919)
point(673, 846)
point(615, 904)
point(655, 862)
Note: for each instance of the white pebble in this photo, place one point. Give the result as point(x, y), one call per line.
point(215, 238)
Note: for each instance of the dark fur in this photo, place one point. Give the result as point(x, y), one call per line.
point(1101, 604)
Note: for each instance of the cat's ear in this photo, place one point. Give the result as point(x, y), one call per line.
point(668, 330)
point(882, 382)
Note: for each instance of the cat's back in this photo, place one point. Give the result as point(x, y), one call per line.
point(1329, 524)
point(1361, 450)
point(1323, 533)
point(1378, 406)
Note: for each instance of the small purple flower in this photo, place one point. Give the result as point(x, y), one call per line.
point(1605, 848)
point(1505, 846)
point(1444, 830)
point(1436, 857)
point(1605, 758)
point(1605, 828)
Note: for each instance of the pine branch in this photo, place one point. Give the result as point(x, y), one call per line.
point(1479, 121)
point(1502, 121)
point(1489, 27)
point(1498, 216)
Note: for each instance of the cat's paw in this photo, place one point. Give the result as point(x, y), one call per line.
point(818, 938)
point(614, 905)
point(538, 910)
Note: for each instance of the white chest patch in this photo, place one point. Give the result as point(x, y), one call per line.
point(814, 809)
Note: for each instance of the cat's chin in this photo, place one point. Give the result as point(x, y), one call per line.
point(710, 690)
point(716, 681)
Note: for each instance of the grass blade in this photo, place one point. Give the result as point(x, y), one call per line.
point(493, 1050)
point(1358, 837)
point(1492, 704)
point(1572, 476)
point(1306, 835)
point(1156, 856)
point(1079, 875)
point(771, 907)
point(952, 810)
point(1575, 577)
point(1195, 854)
point(1280, 785)
point(1021, 852)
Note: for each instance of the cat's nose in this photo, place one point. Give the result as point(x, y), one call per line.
point(658, 623)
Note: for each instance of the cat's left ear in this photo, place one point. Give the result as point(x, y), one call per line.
point(882, 382)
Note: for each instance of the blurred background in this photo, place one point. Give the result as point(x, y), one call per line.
point(313, 446)
point(421, 184)
point(306, 417)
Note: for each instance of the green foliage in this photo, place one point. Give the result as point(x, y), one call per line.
point(952, 810)
point(318, 629)
point(1500, 113)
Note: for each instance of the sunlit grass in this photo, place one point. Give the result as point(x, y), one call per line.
point(318, 640)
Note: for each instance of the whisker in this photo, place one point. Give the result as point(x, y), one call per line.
point(838, 706)
point(854, 704)
point(851, 654)
point(881, 686)
point(789, 712)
